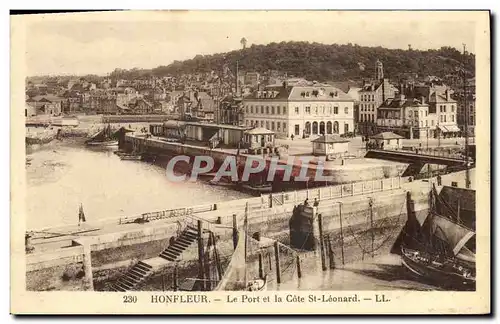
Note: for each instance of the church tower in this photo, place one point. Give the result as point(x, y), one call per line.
point(379, 71)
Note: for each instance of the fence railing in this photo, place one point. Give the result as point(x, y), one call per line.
point(332, 192)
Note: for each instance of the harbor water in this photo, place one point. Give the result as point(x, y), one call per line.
point(60, 177)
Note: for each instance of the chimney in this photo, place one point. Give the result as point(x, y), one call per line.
point(422, 100)
point(447, 92)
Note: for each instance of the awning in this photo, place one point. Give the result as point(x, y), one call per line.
point(453, 128)
point(443, 129)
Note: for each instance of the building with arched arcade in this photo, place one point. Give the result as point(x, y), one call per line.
point(300, 110)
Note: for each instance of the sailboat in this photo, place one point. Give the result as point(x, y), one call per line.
point(448, 255)
point(256, 284)
point(102, 138)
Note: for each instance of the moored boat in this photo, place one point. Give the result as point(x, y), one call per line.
point(103, 138)
point(446, 272)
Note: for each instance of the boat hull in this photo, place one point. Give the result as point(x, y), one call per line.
point(104, 143)
point(440, 275)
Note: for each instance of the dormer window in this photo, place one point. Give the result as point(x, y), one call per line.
point(307, 94)
point(315, 93)
point(331, 94)
point(302, 94)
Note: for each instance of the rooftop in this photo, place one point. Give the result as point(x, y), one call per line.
point(330, 139)
point(386, 136)
point(259, 131)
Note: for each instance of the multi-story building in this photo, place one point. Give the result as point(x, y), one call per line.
point(407, 117)
point(371, 96)
point(252, 78)
point(413, 118)
point(300, 110)
point(231, 111)
point(461, 113)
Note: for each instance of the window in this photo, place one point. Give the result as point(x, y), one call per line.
point(297, 110)
point(272, 125)
point(308, 110)
point(284, 110)
point(267, 124)
point(346, 110)
point(426, 113)
point(284, 126)
point(278, 126)
point(315, 110)
point(267, 110)
point(421, 123)
point(453, 118)
point(416, 114)
point(373, 98)
point(373, 107)
point(444, 118)
point(329, 110)
point(246, 109)
point(262, 123)
point(247, 123)
point(297, 129)
point(272, 110)
point(262, 109)
point(279, 110)
point(307, 94)
point(426, 123)
point(346, 128)
point(251, 109)
point(335, 110)
point(432, 122)
point(452, 108)
point(335, 127)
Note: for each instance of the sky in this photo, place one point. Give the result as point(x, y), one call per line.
point(97, 43)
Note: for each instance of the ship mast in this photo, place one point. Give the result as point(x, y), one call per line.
point(464, 80)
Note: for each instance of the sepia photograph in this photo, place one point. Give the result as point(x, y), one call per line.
point(325, 158)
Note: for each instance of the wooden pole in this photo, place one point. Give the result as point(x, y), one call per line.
point(331, 255)
point(277, 261)
point(341, 234)
point(235, 232)
point(299, 270)
point(261, 266)
point(176, 277)
point(270, 262)
point(321, 243)
point(201, 271)
point(371, 228)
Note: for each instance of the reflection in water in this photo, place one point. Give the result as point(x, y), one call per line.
point(60, 178)
point(384, 272)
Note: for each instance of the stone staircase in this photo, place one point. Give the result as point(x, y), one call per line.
point(185, 239)
point(144, 269)
point(137, 274)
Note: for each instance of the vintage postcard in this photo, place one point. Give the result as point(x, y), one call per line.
point(250, 162)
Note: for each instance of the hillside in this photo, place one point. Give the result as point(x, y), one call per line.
point(320, 62)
